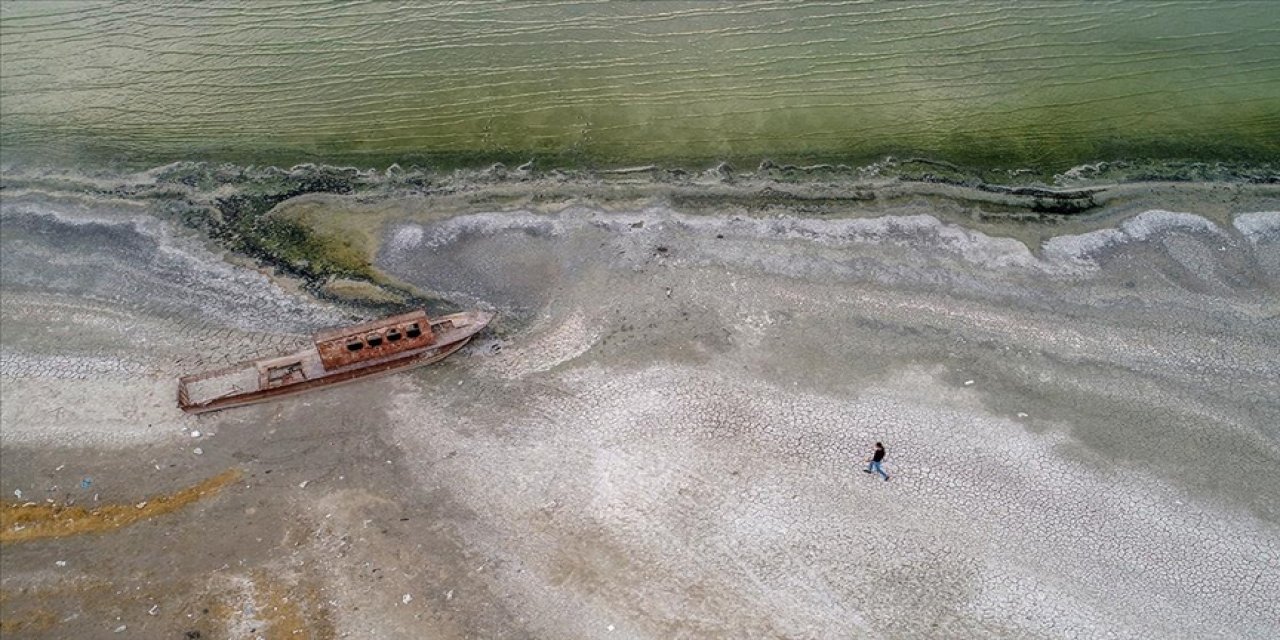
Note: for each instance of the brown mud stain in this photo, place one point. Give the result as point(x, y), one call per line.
point(268, 605)
point(38, 620)
point(23, 522)
point(35, 610)
point(292, 611)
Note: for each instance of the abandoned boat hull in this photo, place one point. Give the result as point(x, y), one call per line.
point(267, 379)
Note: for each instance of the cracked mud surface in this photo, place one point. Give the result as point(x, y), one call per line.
point(663, 435)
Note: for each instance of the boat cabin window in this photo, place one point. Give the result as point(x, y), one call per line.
point(394, 335)
point(373, 339)
point(414, 331)
point(355, 345)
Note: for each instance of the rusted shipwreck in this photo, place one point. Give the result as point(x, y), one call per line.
point(336, 356)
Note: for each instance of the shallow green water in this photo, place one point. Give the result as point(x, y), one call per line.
point(1047, 84)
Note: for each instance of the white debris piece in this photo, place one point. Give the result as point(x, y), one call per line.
point(406, 598)
point(968, 382)
point(195, 434)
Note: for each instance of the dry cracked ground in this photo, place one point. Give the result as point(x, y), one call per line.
point(662, 437)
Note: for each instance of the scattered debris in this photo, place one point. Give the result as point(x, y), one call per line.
point(406, 598)
point(18, 493)
point(303, 484)
point(85, 483)
point(1021, 414)
point(141, 505)
point(968, 382)
point(120, 629)
point(61, 563)
point(198, 451)
point(195, 433)
point(154, 608)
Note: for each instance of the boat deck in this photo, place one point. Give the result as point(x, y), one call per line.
point(246, 376)
point(223, 383)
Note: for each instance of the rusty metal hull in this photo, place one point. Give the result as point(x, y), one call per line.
point(253, 381)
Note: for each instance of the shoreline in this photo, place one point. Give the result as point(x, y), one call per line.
point(669, 394)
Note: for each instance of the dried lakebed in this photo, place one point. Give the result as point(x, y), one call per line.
point(663, 434)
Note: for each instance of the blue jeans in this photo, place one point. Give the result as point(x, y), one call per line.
point(875, 466)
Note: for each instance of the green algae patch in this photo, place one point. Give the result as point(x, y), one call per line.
point(332, 241)
point(359, 291)
point(308, 251)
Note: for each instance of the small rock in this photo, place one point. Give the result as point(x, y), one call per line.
point(406, 598)
point(142, 504)
point(120, 629)
point(198, 451)
point(303, 484)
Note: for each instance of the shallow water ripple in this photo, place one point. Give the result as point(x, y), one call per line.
point(588, 82)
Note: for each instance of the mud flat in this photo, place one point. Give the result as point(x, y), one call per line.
point(662, 435)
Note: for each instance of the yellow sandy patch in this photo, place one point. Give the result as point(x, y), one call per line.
point(25, 522)
point(291, 612)
point(39, 620)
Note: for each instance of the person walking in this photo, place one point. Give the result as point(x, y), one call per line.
point(875, 462)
